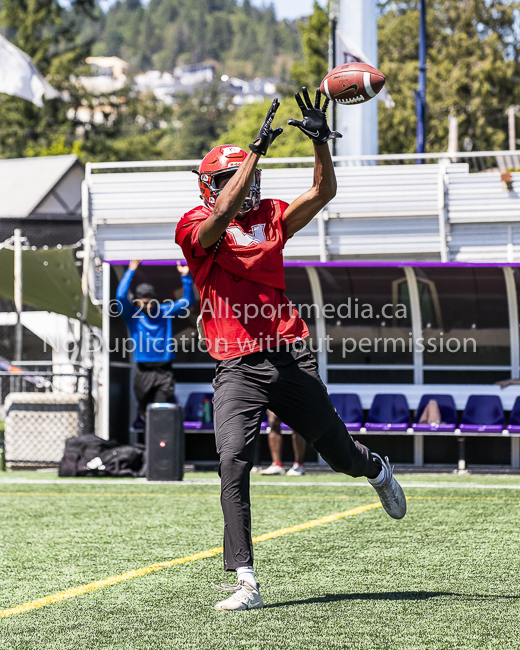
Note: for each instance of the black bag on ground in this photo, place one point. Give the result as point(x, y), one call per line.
point(126, 460)
point(79, 450)
point(88, 455)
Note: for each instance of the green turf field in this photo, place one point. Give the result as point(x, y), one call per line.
point(447, 576)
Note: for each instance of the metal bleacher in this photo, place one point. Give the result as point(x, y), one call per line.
point(481, 210)
point(383, 207)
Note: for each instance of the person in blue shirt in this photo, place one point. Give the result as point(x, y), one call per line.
point(149, 324)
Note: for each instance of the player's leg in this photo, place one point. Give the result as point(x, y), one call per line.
point(299, 445)
point(431, 414)
point(239, 404)
point(143, 388)
point(300, 399)
point(275, 442)
point(164, 386)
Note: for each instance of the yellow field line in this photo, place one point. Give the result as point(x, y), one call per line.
point(137, 573)
point(316, 522)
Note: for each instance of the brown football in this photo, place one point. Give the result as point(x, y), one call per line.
point(352, 83)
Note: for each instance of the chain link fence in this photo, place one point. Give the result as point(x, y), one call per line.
point(40, 409)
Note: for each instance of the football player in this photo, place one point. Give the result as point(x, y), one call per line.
point(233, 245)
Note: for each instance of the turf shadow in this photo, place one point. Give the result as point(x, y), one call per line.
point(388, 595)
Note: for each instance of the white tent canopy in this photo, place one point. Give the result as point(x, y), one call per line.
point(42, 187)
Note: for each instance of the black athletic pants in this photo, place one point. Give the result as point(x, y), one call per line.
point(153, 384)
point(288, 383)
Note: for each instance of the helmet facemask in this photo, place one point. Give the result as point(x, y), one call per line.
point(210, 191)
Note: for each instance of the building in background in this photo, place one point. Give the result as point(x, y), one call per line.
point(110, 74)
point(42, 196)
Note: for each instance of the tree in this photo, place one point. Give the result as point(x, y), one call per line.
point(246, 122)
point(120, 126)
point(131, 129)
point(44, 30)
point(309, 72)
point(245, 40)
point(315, 42)
point(473, 68)
point(199, 120)
point(48, 33)
point(124, 125)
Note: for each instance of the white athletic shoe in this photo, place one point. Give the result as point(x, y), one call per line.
point(296, 470)
point(390, 492)
point(273, 470)
point(245, 596)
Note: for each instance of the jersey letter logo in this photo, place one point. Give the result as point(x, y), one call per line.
point(241, 238)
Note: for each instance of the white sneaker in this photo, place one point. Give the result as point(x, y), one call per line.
point(245, 596)
point(296, 470)
point(390, 492)
point(273, 470)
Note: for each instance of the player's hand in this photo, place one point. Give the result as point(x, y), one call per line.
point(314, 121)
point(266, 136)
point(183, 270)
point(134, 264)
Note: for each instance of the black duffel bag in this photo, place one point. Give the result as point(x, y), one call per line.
point(89, 455)
point(79, 450)
point(125, 460)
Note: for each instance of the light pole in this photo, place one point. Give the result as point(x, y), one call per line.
point(332, 65)
point(333, 21)
point(18, 331)
point(420, 93)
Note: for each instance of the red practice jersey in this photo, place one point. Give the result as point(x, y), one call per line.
point(243, 305)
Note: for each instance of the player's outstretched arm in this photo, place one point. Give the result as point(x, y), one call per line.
point(314, 126)
point(234, 193)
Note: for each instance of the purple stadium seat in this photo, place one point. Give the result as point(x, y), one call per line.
point(514, 419)
point(348, 406)
point(448, 415)
point(192, 419)
point(483, 414)
point(389, 412)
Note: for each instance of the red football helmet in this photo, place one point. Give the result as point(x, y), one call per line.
point(222, 160)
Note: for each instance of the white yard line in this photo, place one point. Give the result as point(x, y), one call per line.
point(296, 483)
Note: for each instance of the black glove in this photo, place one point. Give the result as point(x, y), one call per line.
point(266, 136)
point(314, 122)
